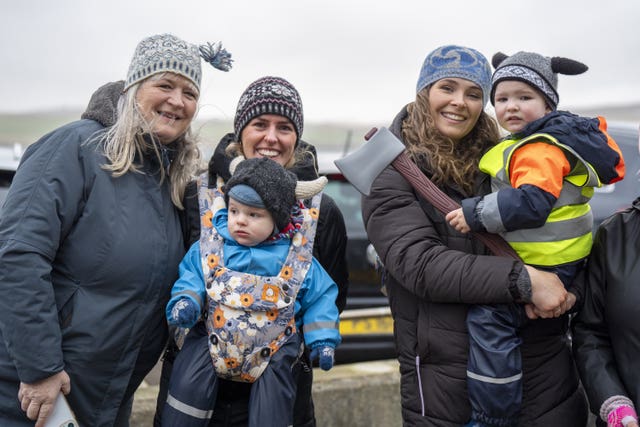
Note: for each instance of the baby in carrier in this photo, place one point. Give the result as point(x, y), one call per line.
point(253, 281)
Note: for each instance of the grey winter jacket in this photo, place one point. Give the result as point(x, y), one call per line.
point(606, 335)
point(434, 273)
point(86, 266)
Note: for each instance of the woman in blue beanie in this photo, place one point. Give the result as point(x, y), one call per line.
point(435, 272)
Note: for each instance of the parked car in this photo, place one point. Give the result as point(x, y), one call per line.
point(366, 324)
point(9, 159)
point(614, 197)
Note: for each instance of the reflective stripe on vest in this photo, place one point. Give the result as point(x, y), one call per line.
point(566, 236)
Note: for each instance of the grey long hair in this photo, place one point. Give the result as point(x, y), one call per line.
point(124, 140)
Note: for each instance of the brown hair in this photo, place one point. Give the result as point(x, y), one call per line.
point(443, 158)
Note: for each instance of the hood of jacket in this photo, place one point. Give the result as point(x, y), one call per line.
point(103, 105)
point(584, 136)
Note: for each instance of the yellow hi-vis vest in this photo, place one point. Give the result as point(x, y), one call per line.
point(566, 236)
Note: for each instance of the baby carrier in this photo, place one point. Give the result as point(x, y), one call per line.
point(249, 317)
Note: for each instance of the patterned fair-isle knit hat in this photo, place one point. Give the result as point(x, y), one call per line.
point(167, 53)
point(269, 95)
point(456, 61)
point(536, 70)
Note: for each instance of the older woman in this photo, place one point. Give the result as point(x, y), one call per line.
point(269, 122)
point(91, 241)
point(435, 273)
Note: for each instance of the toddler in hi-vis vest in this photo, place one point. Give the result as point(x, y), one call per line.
point(543, 175)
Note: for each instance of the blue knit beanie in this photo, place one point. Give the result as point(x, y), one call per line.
point(246, 195)
point(456, 61)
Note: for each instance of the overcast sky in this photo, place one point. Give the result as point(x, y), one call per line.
point(351, 60)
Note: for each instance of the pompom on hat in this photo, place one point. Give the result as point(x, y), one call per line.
point(536, 70)
point(452, 61)
point(167, 53)
point(269, 95)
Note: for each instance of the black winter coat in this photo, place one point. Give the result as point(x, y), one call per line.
point(606, 335)
point(434, 274)
point(331, 236)
point(329, 249)
point(87, 262)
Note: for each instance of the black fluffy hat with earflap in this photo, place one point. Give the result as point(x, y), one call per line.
point(274, 184)
point(539, 71)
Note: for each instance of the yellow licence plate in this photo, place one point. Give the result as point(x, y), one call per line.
point(366, 325)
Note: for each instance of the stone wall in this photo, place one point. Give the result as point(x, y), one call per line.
point(354, 395)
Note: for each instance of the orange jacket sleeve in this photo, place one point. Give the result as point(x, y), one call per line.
point(540, 164)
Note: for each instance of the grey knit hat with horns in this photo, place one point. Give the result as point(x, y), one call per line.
point(539, 71)
point(167, 53)
point(275, 186)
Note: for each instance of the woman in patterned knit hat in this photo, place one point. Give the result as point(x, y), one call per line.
point(92, 241)
point(268, 123)
point(253, 262)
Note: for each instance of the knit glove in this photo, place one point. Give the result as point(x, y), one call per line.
point(184, 313)
point(621, 416)
point(325, 353)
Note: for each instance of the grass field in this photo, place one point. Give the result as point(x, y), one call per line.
point(28, 128)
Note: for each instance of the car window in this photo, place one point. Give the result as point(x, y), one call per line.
point(5, 182)
point(348, 200)
point(3, 194)
point(9, 158)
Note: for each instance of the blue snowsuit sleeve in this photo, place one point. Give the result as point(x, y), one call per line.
point(318, 311)
point(508, 209)
point(190, 284)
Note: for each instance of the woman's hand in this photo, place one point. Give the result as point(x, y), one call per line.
point(548, 295)
point(37, 399)
point(455, 218)
point(534, 313)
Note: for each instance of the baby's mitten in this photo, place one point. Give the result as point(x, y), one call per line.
point(325, 353)
point(184, 313)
